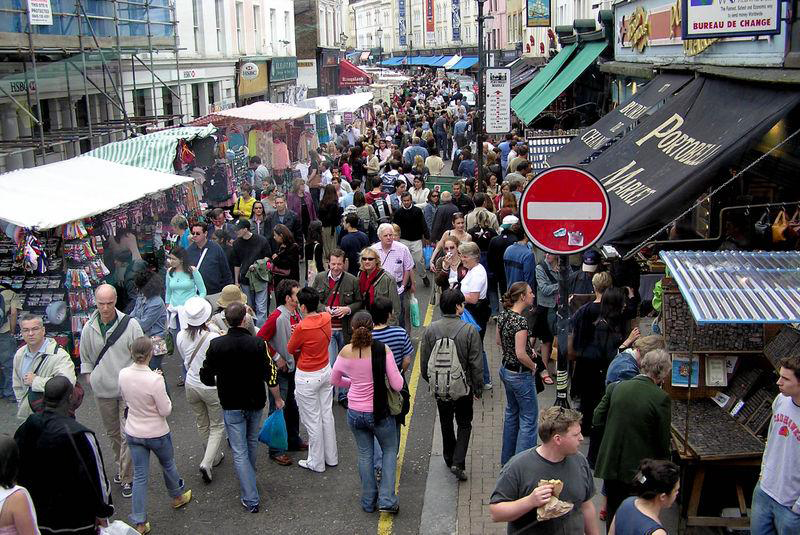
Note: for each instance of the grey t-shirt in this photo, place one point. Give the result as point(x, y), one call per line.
point(521, 475)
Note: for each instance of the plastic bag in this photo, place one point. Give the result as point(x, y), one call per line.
point(413, 308)
point(118, 527)
point(467, 317)
point(427, 255)
point(273, 432)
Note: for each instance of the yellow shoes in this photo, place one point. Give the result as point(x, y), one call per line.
point(182, 500)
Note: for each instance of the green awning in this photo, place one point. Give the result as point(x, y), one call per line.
point(586, 56)
point(542, 78)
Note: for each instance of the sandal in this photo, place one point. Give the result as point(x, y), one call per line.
point(546, 379)
point(144, 528)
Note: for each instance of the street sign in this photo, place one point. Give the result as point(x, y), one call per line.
point(498, 100)
point(564, 210)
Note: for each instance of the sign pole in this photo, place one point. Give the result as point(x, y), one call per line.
point(562, 363)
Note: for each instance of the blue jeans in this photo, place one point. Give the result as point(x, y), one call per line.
point(336, 345)
point(259, 302)
point(140, 449)
point(365, 431)
point(768, 517)
point(243, 427)
point(8, 346)
point(377, 456)
point(522, 411)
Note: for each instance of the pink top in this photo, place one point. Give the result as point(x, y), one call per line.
point(396, 261)
point(358, 372)
point(145, 393)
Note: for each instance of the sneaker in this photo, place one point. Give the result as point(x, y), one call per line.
point(127, 490)
point(390, 510)
point(250, 508)
point(182, 500)
point(205, 473)
point(118, 479)
point(144, 528)
point(303, 463)
point(459, 473)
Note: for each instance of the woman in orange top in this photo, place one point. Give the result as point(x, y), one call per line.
point(313, 393)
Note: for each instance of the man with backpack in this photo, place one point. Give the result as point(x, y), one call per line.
point(452, 364)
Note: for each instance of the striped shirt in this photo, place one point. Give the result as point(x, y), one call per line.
point(398, 341)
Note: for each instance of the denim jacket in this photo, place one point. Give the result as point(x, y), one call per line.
point(151, 314)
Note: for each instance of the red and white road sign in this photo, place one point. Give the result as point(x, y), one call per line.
point(564, 210)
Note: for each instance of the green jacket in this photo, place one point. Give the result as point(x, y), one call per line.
point(259, 276)
point(349, 296)
point(636, 415)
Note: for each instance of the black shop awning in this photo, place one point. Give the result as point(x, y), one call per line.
point(663, 165)
point(612, 126)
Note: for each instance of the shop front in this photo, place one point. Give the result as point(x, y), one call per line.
point(328, 70)
point(282, 77)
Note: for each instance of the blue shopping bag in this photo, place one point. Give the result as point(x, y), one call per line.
point(273, 432)
point(427, 254)
point(467, 317)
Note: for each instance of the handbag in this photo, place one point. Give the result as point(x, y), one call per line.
point(780, 224)
point(163, 345)
point(394, 400)
point(762, 226)
point(793, 230)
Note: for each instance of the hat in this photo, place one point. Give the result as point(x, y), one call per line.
point(243, 224)
point(591, 259)
point(197, 311)
point(231, 294)
point(509, 221)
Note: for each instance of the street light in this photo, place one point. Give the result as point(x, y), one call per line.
point(379, 34)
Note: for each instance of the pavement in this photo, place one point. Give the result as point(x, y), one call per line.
point(297, 501)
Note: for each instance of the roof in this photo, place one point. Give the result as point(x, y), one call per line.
point(389, 62)
point(441, 61)
point(738, 286)
point(87, 186)
point(155, 151)
point(464, 63)
point(542, 78)
point(256, 112)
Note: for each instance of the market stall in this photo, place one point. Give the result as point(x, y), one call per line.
point(60, 244)
point(718, 317)
point(281, 135)
point(355, 109)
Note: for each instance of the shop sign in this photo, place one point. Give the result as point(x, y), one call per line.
point(283, 69)
point(21, 86)
point(498, 100)
point(347, 117)
point(250, 85)
point(249, 71)
point(727, 18)
point(191, 74)
point(40, 13)
point(430, 24)
point(538, 13)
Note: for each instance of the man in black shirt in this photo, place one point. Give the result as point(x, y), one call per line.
point(352, 242)
point(464, 203)
point(247, 249)
point(413, 229)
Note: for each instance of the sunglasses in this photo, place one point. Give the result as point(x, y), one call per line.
point(367, 259)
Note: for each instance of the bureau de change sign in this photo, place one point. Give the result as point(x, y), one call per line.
point(730, 18)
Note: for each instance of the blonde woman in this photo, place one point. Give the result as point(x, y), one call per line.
point(458, 231)
point(373, 162)
point(374, 281)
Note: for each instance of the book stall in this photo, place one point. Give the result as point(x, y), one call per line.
point(54, 257)
point(725, 319)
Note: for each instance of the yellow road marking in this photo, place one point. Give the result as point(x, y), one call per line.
point(386, 522)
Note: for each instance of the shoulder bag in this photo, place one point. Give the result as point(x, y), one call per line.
point(111, 340)
point(36, 399)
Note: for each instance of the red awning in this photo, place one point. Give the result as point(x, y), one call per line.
point(352, 76)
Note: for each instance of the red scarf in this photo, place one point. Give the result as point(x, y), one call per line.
point(366, 283)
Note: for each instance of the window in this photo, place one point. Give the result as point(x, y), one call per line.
point(210, 91)
point(273, 27)
point(239, 28)
point(166, 97)
point(139, 106)
point(196, 25)
point(257, 27)
point(195, 100)
point(287, 28)
point(219, 15)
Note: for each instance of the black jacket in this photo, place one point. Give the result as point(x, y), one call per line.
point(443, 220)
point(238, 365)
point(412, 223)
point(291, 220)
point(61, 466)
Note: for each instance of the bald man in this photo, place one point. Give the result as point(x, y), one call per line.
point(105, 349)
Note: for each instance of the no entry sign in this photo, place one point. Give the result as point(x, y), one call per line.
point(564, 210)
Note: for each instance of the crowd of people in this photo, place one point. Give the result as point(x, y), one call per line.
point(301, 300)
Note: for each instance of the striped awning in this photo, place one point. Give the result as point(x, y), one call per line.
point(738, 286)
point(155, 151)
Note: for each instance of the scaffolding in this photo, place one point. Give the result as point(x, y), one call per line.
point(86, 51)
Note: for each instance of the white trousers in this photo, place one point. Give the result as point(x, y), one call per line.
point(314, 396)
